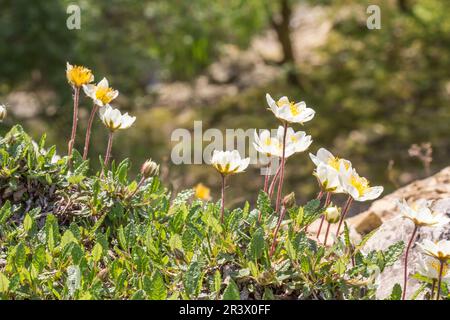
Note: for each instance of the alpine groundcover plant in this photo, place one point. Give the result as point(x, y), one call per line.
point(69, 233)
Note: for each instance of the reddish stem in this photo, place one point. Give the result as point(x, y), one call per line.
point(344, 214)
point(405, 279)
point(88, 131)
point(327, 202)
point(76, 95)
point(326, 234)
point(273, 183)
point(441, 268)
point(283, 161)
point(319, 197)
point(108, 150)
point(275, 233)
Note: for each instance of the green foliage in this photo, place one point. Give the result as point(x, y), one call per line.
point(94, 239)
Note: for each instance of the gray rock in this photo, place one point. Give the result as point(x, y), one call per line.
point(400, 229)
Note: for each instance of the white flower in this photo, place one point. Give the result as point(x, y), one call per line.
point(326, 157)
point(114, 120)
point(266, 144)
point(295, 141)
point(420, 213)
point(101, 93)
point(356, 186)
point(3, 112)
point(439, 250)
point(229, 162)
point(286, 110)
point(328, 178)
point(328, 169)
point(430, 267)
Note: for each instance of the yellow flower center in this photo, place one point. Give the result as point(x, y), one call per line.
point(268, 141)
point(436, 265)
point(202, 192)
point(78, 76)
point(104, 94)
point(294, 109)
point(360, 183)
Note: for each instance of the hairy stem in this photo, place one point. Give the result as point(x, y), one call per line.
point(433, 286)
point(274, 182)
point(76, 96)
point(326, 234)
point(441, 268)
point(108, 149)
point(327, 202)
point(223, 200)
point(405, 275)
point(283, 161)
point(344, 214)
point(88, 131)
point(275, 233)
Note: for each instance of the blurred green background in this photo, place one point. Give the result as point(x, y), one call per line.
point(376, 92)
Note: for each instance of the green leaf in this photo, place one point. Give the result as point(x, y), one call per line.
point(4, 283)
point(138, 295)
point(257, 244)
point(268, 294)
point(97, 252)
point(231, 292)
point(192, 278)
point(156, 288)
point(175, 242)
point(5, 212)
point(27, 223)
point(217, 281)
point(20, 255)
point(122, 239)
point(263, 203)
point(67, 238)
point(396, 292)
point(393, 252)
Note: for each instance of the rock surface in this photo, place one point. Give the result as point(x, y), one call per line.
point(436, 187)
point(400, 229)
point(393, 227)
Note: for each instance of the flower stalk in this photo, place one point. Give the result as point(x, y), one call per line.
point(108, 149)
point(441, 268)
point(283, 161)
point(347, 205)
point(88, 131)
point(76, 97)
point(327, 202)
point(222, 207)
point(405, 275)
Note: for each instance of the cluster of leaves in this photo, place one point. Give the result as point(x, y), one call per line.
point(97, 237)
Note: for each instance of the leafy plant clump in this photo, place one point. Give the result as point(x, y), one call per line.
point(69, 234)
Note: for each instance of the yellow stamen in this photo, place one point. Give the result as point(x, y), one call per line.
point(360, 183)
point(79, 75)
point(104, 94)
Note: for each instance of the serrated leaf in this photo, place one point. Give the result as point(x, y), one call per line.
point(157, 290)
point(191, 278)
point(392, 253)
point(231, 292)
point(97, 252)
point(257, 244)
point(396, 292)
point(4, 283)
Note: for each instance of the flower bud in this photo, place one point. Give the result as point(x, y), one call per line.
point(332, 214)
point(149, 169)
point(289, 200)
point(3, 112)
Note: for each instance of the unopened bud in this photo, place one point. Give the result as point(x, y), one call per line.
point(289, 200)
point(332, 214)
point(149, 169)
point(3, 112)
